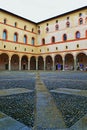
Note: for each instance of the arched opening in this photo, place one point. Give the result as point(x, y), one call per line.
point(81, 21)
point(56, 27)
point(64, 37)
point(69, 62)
point(81, 61)
point(25, 39)
point(67, 24)
point(5, 35)
point(53, 39)
point(15, 37)
point(43, 41)
point(33, 63)
point(33, 41)
point(24, 63)
point(4, 62)
point(49, 63)
point(77, 35)
point(86, 33)
point(15, 62)
point(58, 62)
point(40, 63)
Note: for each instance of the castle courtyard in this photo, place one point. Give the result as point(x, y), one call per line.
point(43, 100)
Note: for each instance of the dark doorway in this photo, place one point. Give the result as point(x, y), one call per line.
point(24, 67)
point(6, 66)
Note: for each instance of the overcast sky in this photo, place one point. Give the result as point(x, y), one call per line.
point(38, 10)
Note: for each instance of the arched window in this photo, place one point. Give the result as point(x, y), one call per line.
point(43, 41)
point(86, 20)
point(4, 35)
point(77, 34)
point(80, 21)
point(47, 29)
point(86, 33)
point(15, 37)
point(64, 37)
point(38, 31)
point(32, 29)
point(53, 39)
point(15, 24)
point(33, 41)
point(68, 24)
point(25, 39)
point(56, 27)
point(5, 21)
point(25, 27)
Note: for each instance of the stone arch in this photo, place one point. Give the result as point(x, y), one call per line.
point(81, 61)
point(33, 63)
point(69, 61)
point(58, 62)
point(24, 62)
point(49, 62)
point(15, 62)
point(4, 61)
point(40, 63)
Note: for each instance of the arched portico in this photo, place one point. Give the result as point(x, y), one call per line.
point(58, 62)
point(15, 62)
point(4, 61)
point(49, 63)
point(24, 62)
point(69, 62)
point(40, 63)
point(81, 61)
point(33, 63)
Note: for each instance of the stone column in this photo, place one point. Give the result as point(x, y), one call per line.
point(75, 64)
point(44, 65)
point(28, 64)
point(36, 63)
point(63, 64)
point(53, 65)
point(19, 63)
point(9, 63)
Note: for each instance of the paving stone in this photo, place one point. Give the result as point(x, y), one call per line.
point(47, 114)
point(8, 123)
point(12, 91)
point(70, 91)
point(76, 81)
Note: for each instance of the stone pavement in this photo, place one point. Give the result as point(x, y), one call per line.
point(47, 114)
point(6, 92)
point(8, 123)
point(71, 91)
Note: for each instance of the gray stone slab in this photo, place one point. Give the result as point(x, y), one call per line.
point(81, 124)
point(5, 92)
point(9, 123)
point(71, 91)
point(47, 114)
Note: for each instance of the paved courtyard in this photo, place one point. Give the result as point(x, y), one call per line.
point(39, 100)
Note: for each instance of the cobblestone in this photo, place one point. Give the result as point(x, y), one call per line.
point(22, 106)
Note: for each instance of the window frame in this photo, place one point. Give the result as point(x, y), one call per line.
point(4, 34)
point(53, 39)
point(15, 37)
point(25, 39)
point(64, 37)
point(77, 35)
point(43, 41)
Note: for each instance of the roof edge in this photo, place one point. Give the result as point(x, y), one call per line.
point(17, 16)
point(83, 7)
